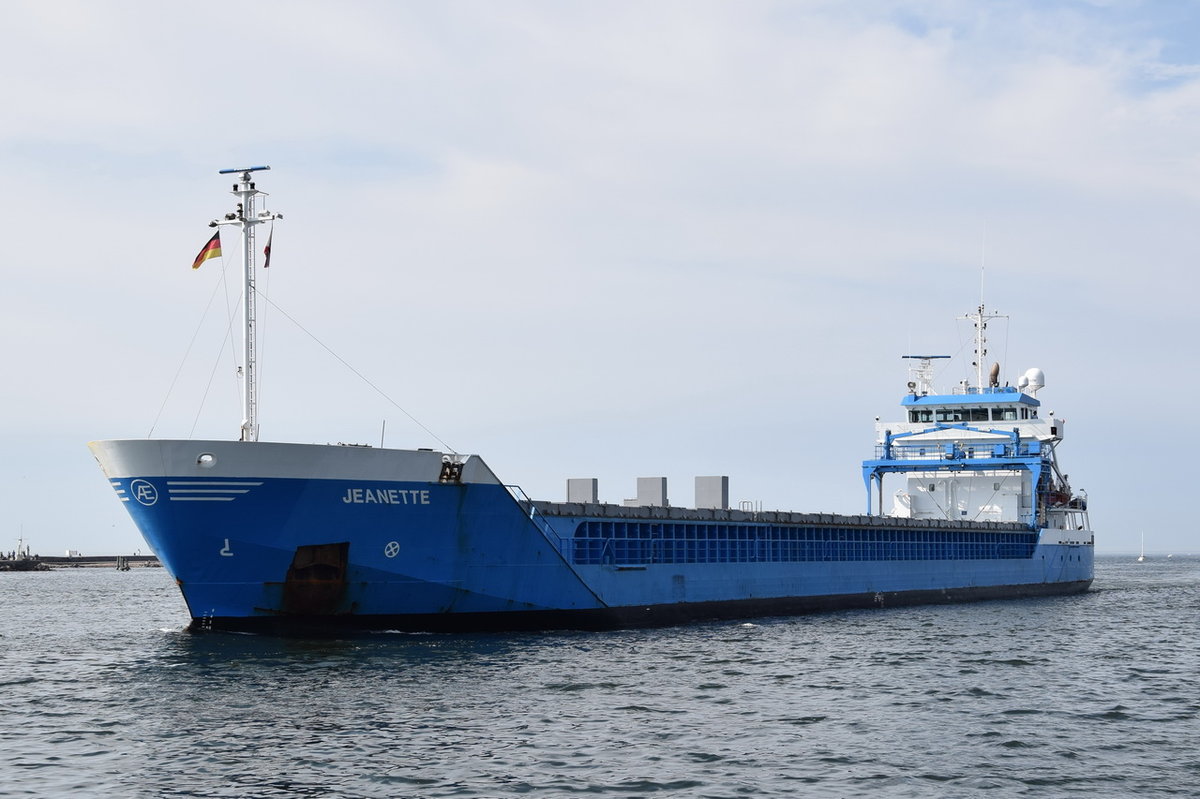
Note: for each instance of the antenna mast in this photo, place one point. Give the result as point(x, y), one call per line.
point(981, 317)
point(922, 374)
point(245, 218)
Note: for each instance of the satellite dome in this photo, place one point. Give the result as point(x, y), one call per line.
point(1035, 379)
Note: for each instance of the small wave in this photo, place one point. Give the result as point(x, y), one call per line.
point(1116, 713)
point(647, 709)
point(571, 687)
point(705, 757)
point(1006, 662)
point(803, 720)
point(976, 691)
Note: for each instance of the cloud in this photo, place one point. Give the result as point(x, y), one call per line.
point(593, 238)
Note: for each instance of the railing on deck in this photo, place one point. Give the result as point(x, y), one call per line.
point(961, 389)
point(559, 543)
point(953, 451)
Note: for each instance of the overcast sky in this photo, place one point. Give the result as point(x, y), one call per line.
point(602, 239)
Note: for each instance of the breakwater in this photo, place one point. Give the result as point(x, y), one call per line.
point(46, 562)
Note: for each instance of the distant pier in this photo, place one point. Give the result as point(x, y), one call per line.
point(47, 562)
point(100, 561)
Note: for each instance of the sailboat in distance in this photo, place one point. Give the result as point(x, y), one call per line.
point(1142, 551)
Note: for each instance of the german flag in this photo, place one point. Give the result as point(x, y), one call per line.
point(210, 250)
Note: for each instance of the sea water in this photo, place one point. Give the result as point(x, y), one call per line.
point(104, 693)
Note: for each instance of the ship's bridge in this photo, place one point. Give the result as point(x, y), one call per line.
point(974, 417)
point(991, 404)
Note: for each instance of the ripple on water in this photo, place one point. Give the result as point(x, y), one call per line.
point(1097, 695)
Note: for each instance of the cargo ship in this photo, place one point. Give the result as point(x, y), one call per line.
point(292, 538)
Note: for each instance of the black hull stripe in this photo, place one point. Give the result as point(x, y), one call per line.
point(622, 617)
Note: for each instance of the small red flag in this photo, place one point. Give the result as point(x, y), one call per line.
point(210, 250)
point(267, 249)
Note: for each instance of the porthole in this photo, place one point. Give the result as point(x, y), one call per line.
point(206, 460)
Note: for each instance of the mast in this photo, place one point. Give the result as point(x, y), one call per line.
point(981, 317)
point(922, 374)
point(244, 218)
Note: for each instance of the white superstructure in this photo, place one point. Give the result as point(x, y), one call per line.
point(983, 452)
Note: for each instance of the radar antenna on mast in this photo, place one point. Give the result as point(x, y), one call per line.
point(242, 169)
point(922, 373)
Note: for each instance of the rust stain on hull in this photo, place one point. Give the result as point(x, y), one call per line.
point(316, 581)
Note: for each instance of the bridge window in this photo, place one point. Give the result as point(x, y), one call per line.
point(960, 415)
point(920, 415)
point(1004, 414)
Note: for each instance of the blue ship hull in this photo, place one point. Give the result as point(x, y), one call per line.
point(311, 539)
